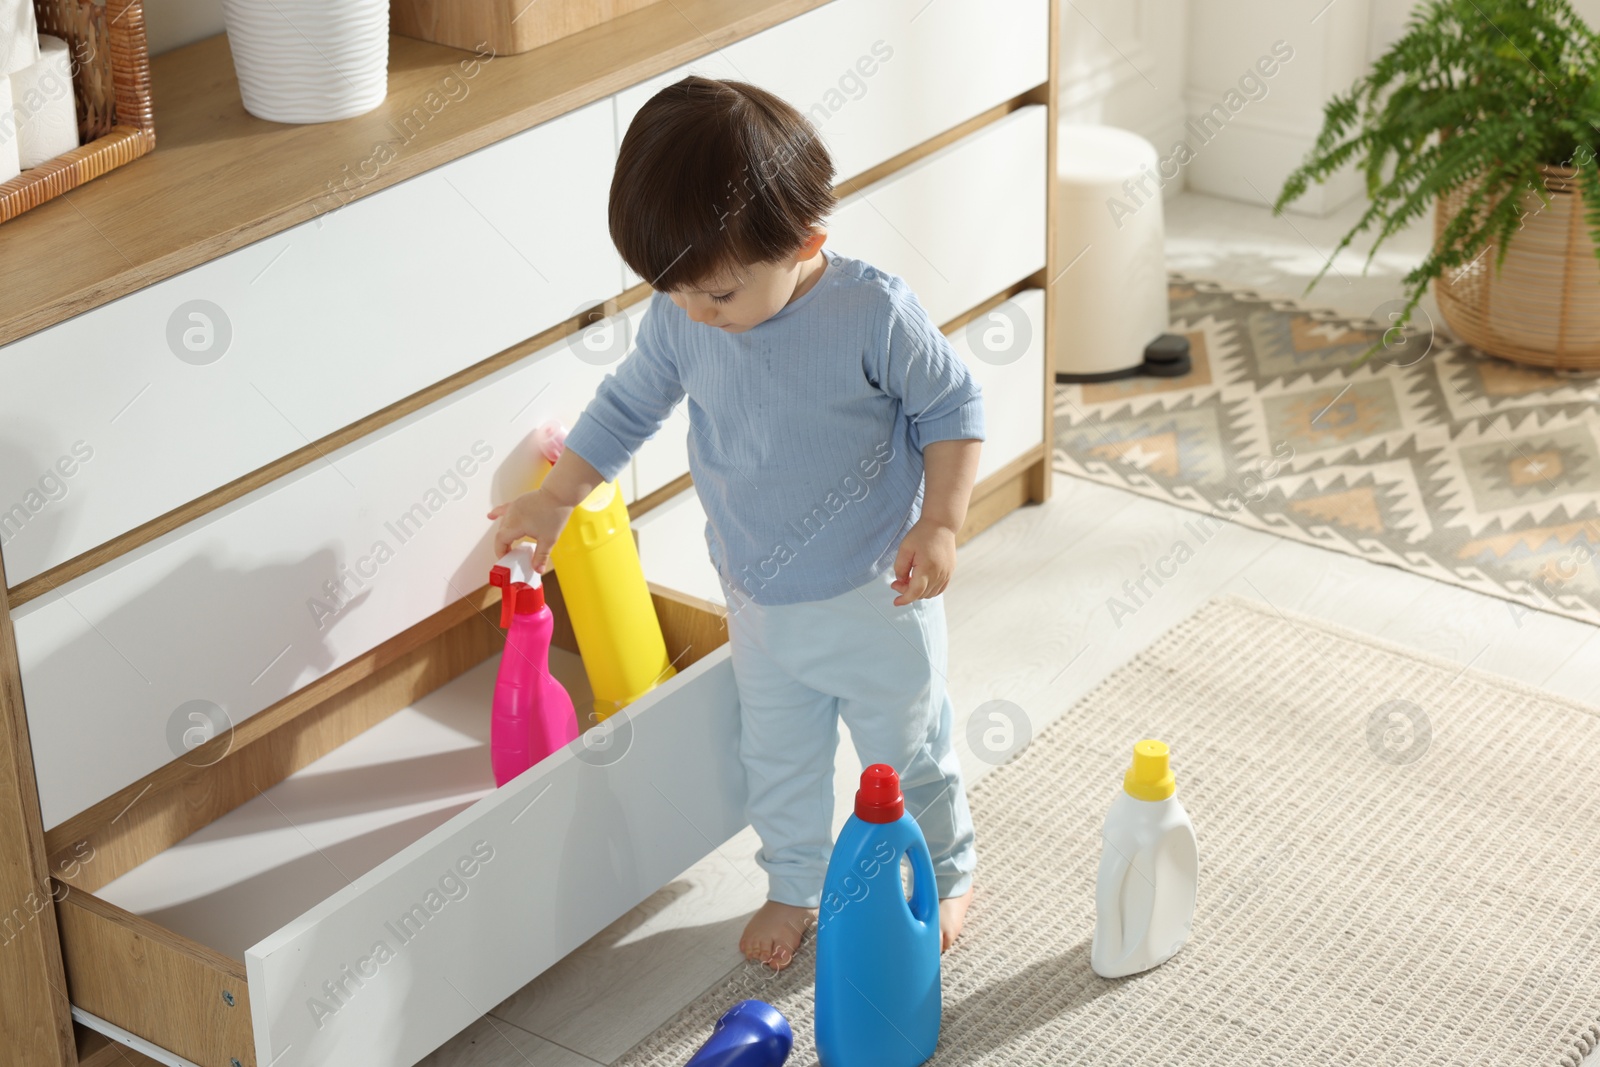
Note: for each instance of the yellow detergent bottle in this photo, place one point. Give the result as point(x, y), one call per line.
point(607, 600)
point(1149, 866)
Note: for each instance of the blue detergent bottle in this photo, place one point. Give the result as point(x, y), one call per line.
point(878, 1000)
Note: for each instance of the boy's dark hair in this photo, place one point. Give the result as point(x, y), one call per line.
point(713, 175)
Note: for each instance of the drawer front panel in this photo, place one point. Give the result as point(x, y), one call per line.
point(604, 346)
point(665, 456)
point(1004, 350)
point(878, 77)
point(195, 381)
point(958, 226)
point(961, 224)
point(672, 547)
point(249, 603)
point(553, 857)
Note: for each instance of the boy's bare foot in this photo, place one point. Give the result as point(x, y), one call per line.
point(774, 932)
point(952, 917)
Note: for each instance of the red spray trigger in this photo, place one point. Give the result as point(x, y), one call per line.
point(500, 577)
point(521, 592)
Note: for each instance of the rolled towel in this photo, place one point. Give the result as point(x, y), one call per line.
point(10, 165)
point(47, 116)
point(19, 36)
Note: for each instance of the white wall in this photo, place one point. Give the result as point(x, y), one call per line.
point(171, 24)
point(1123, 63)
point(1264, 138)
point(1333, 42)
point(1389, 18)
point(1151, 66)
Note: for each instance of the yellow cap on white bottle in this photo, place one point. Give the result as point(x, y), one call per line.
point(1150, 776)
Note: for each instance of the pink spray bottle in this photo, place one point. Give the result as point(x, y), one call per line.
point(533, 714)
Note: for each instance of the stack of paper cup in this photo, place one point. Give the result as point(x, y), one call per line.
point(19, 48)
point(47, 116)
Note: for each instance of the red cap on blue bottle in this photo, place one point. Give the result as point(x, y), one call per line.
point(879, 798)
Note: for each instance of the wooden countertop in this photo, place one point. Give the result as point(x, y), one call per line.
point(220, 178)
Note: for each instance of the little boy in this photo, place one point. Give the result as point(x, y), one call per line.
point(834, 442)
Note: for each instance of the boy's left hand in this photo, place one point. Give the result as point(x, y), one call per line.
point(926, 559)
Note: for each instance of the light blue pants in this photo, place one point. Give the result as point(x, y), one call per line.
point(799, 668)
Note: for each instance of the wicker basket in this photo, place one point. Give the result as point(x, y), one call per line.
point(1542, 306)
point(111, 79)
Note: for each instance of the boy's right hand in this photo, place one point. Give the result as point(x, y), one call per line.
point(536, 515)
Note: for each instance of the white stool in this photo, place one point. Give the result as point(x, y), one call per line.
point(1113, 300)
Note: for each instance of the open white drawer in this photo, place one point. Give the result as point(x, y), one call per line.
point(387, 895)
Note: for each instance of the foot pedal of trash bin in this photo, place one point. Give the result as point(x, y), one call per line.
point(1165, 357)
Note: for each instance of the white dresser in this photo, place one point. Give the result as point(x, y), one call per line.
point(249, 429)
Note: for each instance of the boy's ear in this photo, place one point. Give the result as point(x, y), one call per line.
point(813, 244)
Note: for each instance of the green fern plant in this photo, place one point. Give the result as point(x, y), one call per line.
point(1477, 95)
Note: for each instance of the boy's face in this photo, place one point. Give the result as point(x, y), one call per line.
point(747, 296)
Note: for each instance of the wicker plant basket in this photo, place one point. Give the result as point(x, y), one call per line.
point(1542, 306)
point(111, 79)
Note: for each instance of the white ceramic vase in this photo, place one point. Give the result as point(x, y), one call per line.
point(309, 60)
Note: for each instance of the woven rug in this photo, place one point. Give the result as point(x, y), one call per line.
point(1397, 867)
point(1430, 457)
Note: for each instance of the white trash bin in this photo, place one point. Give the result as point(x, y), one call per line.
point(1112, 306)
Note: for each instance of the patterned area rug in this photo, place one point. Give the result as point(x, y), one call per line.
point(1430, 457)
point(1395, 870)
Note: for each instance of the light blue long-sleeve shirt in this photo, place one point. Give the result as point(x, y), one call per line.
point(806, 432)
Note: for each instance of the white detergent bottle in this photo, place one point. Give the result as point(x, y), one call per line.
point(1144, 901)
